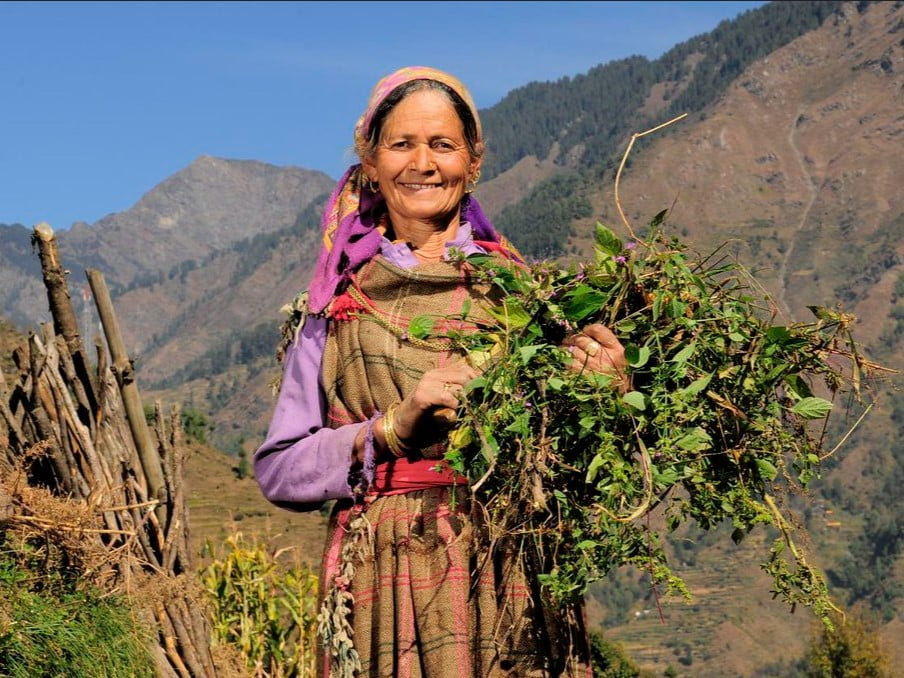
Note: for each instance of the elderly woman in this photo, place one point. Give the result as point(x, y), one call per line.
point(410, 587)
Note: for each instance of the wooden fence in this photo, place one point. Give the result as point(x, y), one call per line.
point(97, 449)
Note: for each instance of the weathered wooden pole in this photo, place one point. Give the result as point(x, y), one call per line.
point(122, 367)
point(65, 323)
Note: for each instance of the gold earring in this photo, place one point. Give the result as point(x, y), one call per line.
point(372, 185)
point(472, 182)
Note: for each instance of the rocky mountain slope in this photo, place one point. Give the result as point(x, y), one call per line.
point(186, 220)
point(801, 161)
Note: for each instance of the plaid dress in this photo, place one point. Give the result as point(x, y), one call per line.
point(432, 597)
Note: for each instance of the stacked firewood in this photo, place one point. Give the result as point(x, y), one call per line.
point(78, 430)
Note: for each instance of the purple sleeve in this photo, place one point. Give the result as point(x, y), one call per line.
point(302, 463)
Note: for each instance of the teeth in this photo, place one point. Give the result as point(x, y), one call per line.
point(420, 186)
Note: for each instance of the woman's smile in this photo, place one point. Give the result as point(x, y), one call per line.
point(421, 187)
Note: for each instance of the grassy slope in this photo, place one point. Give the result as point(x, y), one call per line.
point(220, 504)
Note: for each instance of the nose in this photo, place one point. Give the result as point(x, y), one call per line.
point(422, 161)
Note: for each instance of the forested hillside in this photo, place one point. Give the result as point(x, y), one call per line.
point(589, 117)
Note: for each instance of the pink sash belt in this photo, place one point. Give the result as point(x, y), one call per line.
point(401, 475)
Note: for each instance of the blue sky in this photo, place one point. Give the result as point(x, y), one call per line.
point(99, 102)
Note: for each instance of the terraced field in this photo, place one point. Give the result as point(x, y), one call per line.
point(221, 504)
point(731, 627)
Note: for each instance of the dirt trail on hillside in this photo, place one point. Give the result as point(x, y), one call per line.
point(811, 181)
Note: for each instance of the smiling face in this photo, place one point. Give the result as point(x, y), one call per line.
point(422, 162)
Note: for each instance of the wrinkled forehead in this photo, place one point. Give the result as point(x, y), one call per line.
point(391, 82)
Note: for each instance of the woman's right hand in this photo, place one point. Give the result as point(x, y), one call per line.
point(439, 388)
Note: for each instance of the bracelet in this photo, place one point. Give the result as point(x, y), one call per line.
point(393, 442)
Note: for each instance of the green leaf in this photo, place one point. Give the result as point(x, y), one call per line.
point(555, 383)
point(778, 335)
point(521, 425)
point(767, 470)
point(822, 313)
point(812, 408)
point(511, 313)
point(491, 450)
point(695, 440)
point(636, 400)
point(593, 468)
point(626, 326)
point(682, 356)
point(528, 352)
point(588, 422)
point(798, 386)
point(479, 382)
point(637, 356)
point(465, 309)
point(607, 241)
point(665, 477)
point(582, 302)
point(696, 386)
point(421, 326)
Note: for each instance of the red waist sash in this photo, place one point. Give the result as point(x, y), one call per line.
point(402, 475)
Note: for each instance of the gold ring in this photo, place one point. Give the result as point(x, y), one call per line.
point(593, 348)
point(446, 386)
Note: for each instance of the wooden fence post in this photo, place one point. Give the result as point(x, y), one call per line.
point(125, 375)
point(65, 323)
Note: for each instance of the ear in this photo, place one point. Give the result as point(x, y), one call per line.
point(370, 167)
point(474, 167)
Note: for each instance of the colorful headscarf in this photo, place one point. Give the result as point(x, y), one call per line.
point(351, 215)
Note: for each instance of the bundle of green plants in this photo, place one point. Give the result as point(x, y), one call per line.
point(263, 607)
point(726, 411)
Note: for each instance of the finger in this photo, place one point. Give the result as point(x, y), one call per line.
point(580, 359)
point(445, 416)
point(601, 334)
point(459, 374)
point(587, 345)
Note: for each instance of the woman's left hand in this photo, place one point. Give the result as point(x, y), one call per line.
point(597, 349)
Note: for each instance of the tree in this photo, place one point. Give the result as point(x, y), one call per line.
point(243, 468)
point(609, 660)
point(851, 650)
point(196, 425)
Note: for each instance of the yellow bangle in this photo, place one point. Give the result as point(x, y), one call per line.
point(393, 442)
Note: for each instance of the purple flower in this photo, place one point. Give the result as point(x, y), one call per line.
point(528, 405)
point(620, 259)
point(404, 336)
point(630, 245)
